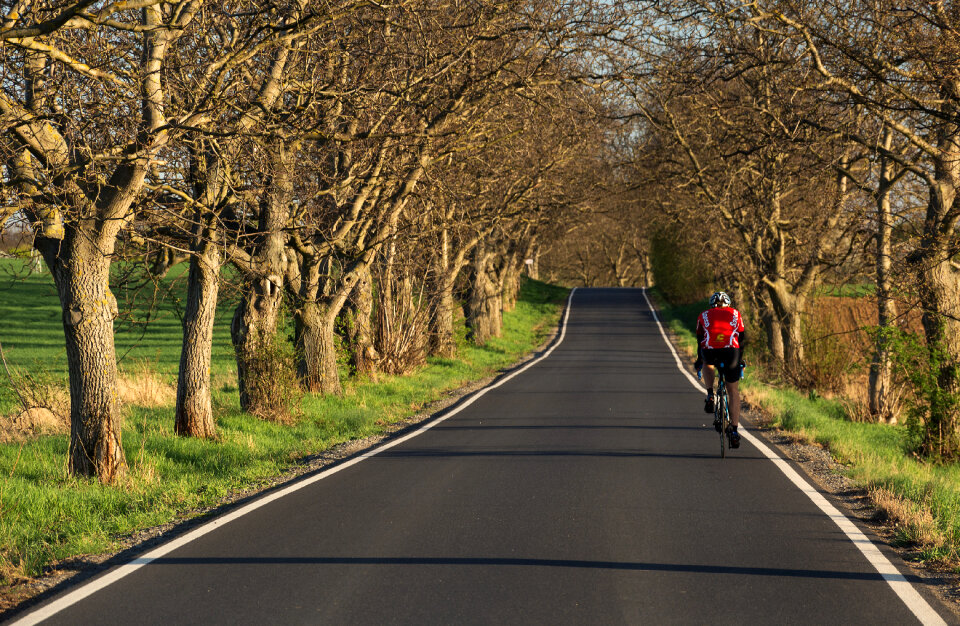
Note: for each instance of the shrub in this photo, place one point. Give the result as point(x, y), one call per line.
point(273, 375)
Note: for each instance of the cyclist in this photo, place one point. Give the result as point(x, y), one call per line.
point(720, 339)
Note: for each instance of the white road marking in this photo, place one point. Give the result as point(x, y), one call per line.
point(914, 601)
point(70, 598)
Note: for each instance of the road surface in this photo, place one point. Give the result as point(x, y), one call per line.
point(586, 489)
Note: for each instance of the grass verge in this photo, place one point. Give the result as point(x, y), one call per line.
point(47, 515)
point(921, 500)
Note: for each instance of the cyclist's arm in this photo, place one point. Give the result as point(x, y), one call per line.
point(701, 333)
point(742, 335)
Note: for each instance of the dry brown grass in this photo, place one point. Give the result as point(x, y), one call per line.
point(758, 398)
point(44, 410)
point(48, 403)
point(12, 571)
point(141, 386)
point(914, 522)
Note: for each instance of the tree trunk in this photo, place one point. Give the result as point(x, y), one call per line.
point(163, 260)
point(787, 309)
point(774, 332)
point(442, 338)
point(255, 319)
point(510, 280)
point(533, 268)
point(440, 283)
point(484, 306)
point(939, 290)
point(81, 272)
point(364, 356)
point(194, 413)
point(793, 349)
point(254, 324)
point(316, 342)
point(880, 368)
point(940, 299)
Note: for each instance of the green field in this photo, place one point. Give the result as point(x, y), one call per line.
point(147, 331)
point(47, 515)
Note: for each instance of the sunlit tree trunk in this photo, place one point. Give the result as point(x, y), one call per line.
point(194, 411)
point(484, 305)
point(255, 320)
point(81, 272)
point(880, 367)
point(361, 332)
point(315, 333)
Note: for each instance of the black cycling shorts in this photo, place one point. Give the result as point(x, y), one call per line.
point(728, 357)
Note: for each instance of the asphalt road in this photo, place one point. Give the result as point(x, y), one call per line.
point(587, 489)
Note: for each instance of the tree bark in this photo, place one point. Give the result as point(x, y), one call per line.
point(256, 316)
point(162, 260)
point(442, 307)
point(364, 355)
point(940, 299)
point(440, 326)
point(194, 413)
point(793, 348)
point(510, 283)
point(254, 323)
point(317, 355)
point(774, 332)
point(939, 288)
point(646, 266)
point(484, 306)
point(81, 272)
point(880, 367)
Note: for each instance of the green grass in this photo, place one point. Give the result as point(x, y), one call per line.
point(923, 499)
point(46, 515)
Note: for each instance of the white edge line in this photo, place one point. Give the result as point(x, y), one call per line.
point(910, 596)
point(69, 599)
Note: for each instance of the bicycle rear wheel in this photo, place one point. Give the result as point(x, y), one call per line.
point(723, 416)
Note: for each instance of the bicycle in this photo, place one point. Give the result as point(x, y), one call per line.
point(721, 408)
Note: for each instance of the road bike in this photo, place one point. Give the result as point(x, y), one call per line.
point(721, 409)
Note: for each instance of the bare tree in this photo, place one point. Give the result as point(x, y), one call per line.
point(770, 194)
point(898, 64)
point(79, 185)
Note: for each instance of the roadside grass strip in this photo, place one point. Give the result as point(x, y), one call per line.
point(897, 581)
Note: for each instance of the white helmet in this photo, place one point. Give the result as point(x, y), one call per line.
point(719, 299)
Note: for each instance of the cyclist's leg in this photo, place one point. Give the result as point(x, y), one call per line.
point(732, 376)
point(708, 377)
point(733, 396)
point(709, 404)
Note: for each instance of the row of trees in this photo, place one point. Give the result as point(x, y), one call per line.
point(346, 159)
point(783, 143)
point(375, 164)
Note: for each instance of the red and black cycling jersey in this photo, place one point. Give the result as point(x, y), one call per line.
point(720, 327)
